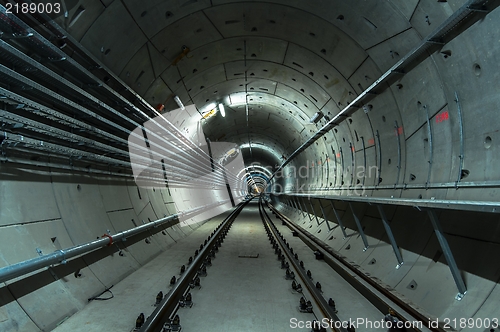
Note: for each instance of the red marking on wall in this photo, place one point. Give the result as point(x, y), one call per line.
point(352, 148)
point(399, 131)
point(338, 155)
point(442, 117)
point(371, 141)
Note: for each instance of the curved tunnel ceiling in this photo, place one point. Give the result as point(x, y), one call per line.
point(289, 59)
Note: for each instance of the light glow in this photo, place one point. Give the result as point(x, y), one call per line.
point(222, 110)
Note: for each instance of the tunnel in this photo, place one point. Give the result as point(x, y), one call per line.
point(222, 151)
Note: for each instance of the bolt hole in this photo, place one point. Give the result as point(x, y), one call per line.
point(477, 69)
point(446, 54)
point(487, 142)
point(383, 118)
point(465, 173)
point(340, 17)
point(389, 161)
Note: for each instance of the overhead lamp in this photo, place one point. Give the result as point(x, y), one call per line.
point(316, 117)
point(222, 110)
point(179, 102)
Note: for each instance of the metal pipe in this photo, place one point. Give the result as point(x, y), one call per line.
point(314, 212)
point(461, 131)
point(462, 205)
point(61, 256)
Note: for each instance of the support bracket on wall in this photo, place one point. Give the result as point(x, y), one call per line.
point(360, 228)
point(392, 240)
point(450, 259)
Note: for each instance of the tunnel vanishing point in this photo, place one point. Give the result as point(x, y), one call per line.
point(350, 143)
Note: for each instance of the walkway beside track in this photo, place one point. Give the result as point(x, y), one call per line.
point(244, 294)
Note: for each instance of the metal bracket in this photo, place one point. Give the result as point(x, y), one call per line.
point(390, 235)
point(461, 133)
point(339, 220)
point(314, 212)
point(455, 272)
point(360, 229)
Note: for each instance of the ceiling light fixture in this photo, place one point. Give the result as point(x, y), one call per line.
point(316, 117)
point(179, 102)
point(222, 110)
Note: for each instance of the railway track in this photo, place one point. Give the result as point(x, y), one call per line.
point(309, 301)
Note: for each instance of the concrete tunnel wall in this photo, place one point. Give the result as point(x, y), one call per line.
point(34, 210)
point(467, 66)
point(53, 210)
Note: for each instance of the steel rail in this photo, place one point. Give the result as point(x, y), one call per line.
point(61, 256)
point(343, 267)
point(318, 298)
point(168, 305)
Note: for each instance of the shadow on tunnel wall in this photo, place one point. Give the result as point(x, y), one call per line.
point(474, 237)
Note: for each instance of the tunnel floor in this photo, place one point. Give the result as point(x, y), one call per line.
point(241, 292)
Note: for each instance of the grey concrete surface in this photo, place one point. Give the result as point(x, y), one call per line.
point(433, 134)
